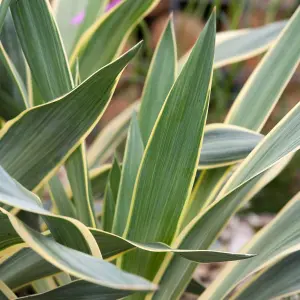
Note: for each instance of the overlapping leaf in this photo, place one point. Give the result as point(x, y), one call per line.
point(78, 264)
point(249, 45)
point(183, 271)
point(279, 281)
point(283, 140)
point(132, 159)
point(158, 83)
point(171, 155)
point(75, 17)
point(278, 239)
point(222, 145)
point(265, 90)
point(12, 105)
point(237, 45)
point(56, 128)
point(98, 38)
point(67, 231)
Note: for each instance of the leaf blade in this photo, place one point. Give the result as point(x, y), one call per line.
point(68, 114)
point(157, 164)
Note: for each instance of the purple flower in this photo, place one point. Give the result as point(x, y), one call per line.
point(78, 18)
point(111, 4)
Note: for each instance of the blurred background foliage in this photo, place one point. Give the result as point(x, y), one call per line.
point(190, 17)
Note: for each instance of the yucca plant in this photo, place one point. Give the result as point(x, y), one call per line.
point(180, 179)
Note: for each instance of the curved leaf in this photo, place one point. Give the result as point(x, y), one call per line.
point(82, 290)
point(69, 121)
point(24, 267)
point(225, 145)
point(33, 18)
point(67, 231)
point(281, 61)
point(238, 45)
point(275, 241)
point(74, 17)
point(110, 137)
point(283, 140)
point(177, 133)
point(78, 264)
point(12, 106)
point(97, 39)
point(278, 281)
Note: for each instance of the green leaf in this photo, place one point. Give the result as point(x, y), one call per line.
point(78, 264)
point(44, 285)
point(110, 197)
point(276, 240)
point(30, 266)
point(265, 90)
point(69, 121)
point(158, 83)
point(225, 145)
point(67, 231)
point(12, 46)
point(99, 177)
point(205, 191)
point(52, 75)
point(278, 281)
point(33, 19)
point(83, 290)
point(246, 45)
point(8, 236)
point(283, 140)
point(111, 247)
point(83, 199)
point(238, 45)
point(110, 137)
point(183, 270)
point(12, 105)
point(63, 278)
point(61, 200)
point(3, 11)
point(177, 135)
point(97, 39)
point(5, 292)
point(68, 15)
point(132, 158)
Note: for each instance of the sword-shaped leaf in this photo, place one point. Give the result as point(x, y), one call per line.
point(132, 159)
point(171, 156)
point(56, 128)
point(262, 89)
point(158, 83)
point(74, 17)
point(78, 264)
point(110, 197)
point(274, 242)
point(280, 281)
point(96, 47)
point(281, 142)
